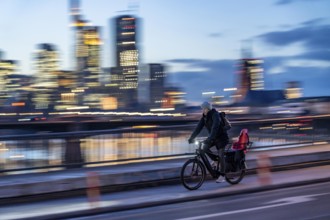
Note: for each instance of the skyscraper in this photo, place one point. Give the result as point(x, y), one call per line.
point(92, 62)
point(13, 94)
point(7, 68)
point(87, 48)
point(127, 56)
point(250, 73)
point(7, 86)
point(250, 77)
point(126, 39)
point(152, 84)
point(87, 56)
point(46, 63)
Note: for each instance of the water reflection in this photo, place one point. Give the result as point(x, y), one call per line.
point(135, 145)
point(112, 147)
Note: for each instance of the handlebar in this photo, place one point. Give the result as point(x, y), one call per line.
point(249, 145)
point(198, 141)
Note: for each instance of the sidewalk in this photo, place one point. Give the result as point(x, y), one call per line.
point(75, 179)
point(119, 201)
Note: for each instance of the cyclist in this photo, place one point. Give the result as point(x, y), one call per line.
point(217, 135)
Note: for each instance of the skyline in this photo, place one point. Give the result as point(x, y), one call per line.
point(195, 45)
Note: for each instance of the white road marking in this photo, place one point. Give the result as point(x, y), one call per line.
point(280, 202)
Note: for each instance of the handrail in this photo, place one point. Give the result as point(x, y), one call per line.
point(75, 134)
point(172, 156)
point(98, 162)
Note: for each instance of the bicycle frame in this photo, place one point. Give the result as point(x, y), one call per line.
point(194, 171)
point(201, 156)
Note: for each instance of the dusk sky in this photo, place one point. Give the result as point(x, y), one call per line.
point(199, 40)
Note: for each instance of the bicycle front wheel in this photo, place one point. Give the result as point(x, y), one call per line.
point(193, 174)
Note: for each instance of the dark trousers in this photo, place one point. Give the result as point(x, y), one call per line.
point(220, 145)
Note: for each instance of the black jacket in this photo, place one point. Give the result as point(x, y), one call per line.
point(212, 123)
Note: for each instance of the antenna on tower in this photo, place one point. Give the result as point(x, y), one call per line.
point(74, 6)
point(246, 49)
point(133, 6)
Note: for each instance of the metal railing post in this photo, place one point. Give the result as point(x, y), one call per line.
point(73, 156)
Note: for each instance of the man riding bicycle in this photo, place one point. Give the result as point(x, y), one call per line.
point(218, 136)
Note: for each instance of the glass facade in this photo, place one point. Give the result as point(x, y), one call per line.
point(46, 62)
point(7, 68)
point(157, 84)
point(250, 77)
point(85, 87)
point(8, 85)
point(87, 48)
point(127, 57)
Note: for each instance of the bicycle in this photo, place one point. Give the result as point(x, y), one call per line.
point(193, 172)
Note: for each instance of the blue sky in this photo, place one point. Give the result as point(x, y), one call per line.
point(198, 40)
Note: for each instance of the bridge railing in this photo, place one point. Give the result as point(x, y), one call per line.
point(63, 150)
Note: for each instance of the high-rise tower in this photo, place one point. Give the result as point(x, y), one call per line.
point(80, 51)
point(87, 48)
point(250, 73)
point(250, 77)
point(7, 68)
point(127, 56)
point(126, 38)
point(152, 84)
point(92, 60)
point(46, 63)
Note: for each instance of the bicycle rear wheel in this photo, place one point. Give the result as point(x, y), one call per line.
point(192, 174)
point(236, 176)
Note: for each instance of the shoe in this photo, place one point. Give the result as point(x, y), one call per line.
point(221, 179)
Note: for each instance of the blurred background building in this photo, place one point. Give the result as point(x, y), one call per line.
point(126, 55)
point(250, 76)
point(293, 90)
point(129, 84)
point(87, 55)
point(46, 65)
point(174, 98)
point(13, 86)
point(7, 69)
point(152, 85)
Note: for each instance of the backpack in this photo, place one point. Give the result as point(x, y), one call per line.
point(225, 123)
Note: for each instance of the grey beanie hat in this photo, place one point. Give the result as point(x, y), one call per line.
point(206, 105)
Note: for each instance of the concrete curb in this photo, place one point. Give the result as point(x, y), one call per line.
point(132, 177)
point(103, 210)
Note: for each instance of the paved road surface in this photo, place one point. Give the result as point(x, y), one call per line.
point(305, 202)
point(178, 196)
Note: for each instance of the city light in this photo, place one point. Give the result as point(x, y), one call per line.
point(208, 93)
point(83, 88)
point(161, 109)
point(144, 126)
point(31, 113)
point(78, 107)
point(131, 84)
point(229, 89)
point(128, 33)
point(95, 113)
